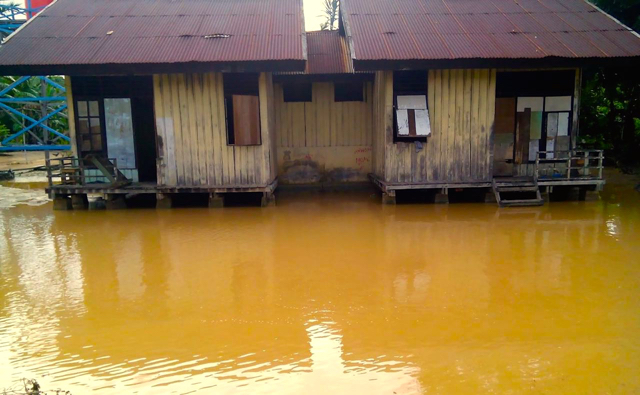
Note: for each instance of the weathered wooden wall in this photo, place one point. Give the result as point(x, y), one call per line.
point(192, 137)
point(462, 111)
point(323, 140)
point(382, 119)
point(71, 115)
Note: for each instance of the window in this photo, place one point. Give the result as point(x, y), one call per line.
point(348, 91)
point(242, 107)
point(411, 116)
point(296, 92)
point(89, 118)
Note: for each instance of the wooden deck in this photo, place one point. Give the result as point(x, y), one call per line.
point(146, 187)
point(544, 185)
point(391, 187)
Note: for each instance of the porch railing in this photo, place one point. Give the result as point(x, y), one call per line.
point(76, 171)
point(569, 165)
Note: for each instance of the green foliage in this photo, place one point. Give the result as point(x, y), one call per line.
point(4, 131)
point(610, 105)
point(331, 9)
point(30, 89)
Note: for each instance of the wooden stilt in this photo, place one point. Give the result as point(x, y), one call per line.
point(163, 201)
point(216, 200)
point(268, 199)
point(490, 197)
point(116, 202)
point(62, 202)
point(79, 202)
point(442, 197)
point(388, 198)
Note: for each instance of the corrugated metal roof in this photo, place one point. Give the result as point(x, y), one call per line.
point(90, 32)
point(327, 53)
point(483, 29)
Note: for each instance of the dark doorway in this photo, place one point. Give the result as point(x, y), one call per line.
point(115, 119)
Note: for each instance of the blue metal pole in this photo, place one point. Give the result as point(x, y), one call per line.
point(23, 131)
point(9, 148)
point(54, 84)
point(13, 85)
point(28, 118)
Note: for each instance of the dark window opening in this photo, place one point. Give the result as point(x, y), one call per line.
point(348, 91)
point(90, 131)
point(535, 83)
point(412, 82)
point(297, 92)
point(242, 108)
point(410, 105)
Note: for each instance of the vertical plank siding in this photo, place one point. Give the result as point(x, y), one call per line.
point(323, 140)
point(323, 122)
point(192, 134)
point(71, 115)
point(459, 149)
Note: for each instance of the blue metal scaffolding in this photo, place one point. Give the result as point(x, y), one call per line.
point(51, 100)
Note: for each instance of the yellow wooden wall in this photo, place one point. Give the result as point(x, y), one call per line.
point(382, 119)
point(71, 115)
point(323, 140)
point(192, 137)
point(459, 149)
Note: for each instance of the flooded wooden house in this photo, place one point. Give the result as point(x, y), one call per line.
point(172, 97)
point(483, 93)
point(165, 97)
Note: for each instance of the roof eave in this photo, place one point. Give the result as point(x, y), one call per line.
point(547, 62)
point(155, 68)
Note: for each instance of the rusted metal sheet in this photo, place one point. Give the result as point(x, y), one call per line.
point(327, 53)
point(89, 32)
point(483, 29)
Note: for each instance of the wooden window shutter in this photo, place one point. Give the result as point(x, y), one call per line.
point(246, 120)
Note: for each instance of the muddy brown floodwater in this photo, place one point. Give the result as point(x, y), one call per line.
point(326, 293)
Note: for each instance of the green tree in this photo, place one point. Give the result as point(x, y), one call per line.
point(610, 106)
point(331, 9)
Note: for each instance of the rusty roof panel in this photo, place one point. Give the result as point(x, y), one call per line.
point(431, 46)
point(601, 21)
point(533, 6)
point(485, 23)
point(577, 6)
point(525, 23)
point(579, 44)
point(576, 21)
point(554, 5)
point(86, 32)
point(629, 43)
point(327, 54)
point(483, 29)
point(432, 7)
point(461, 46)
point(552, 23)
point(469, 7)
point(608, 46)
point(507, 6)
point(445, 24)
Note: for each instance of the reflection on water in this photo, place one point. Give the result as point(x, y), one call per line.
point(323, 294)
